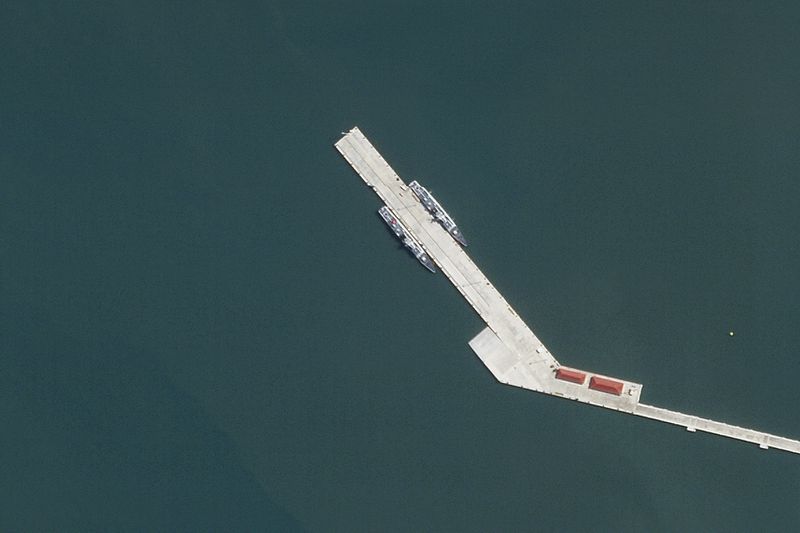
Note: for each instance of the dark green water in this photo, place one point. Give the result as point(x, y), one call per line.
point(206, 327)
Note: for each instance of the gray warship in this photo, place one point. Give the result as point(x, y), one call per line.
point(439, 214)
point(405, 236)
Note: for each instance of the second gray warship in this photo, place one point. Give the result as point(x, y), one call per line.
point(405, 236)
point(438, 212)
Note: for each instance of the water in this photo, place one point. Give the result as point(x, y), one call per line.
point(206, 327)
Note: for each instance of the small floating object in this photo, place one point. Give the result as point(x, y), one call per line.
point(731, 334)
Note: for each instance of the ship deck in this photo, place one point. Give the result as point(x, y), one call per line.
point(507, 346)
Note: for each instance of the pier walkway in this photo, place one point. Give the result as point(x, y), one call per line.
point(507, 346)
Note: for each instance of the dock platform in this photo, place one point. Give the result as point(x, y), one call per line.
point(507, 346)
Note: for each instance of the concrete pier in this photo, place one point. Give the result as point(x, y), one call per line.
point(507, 346)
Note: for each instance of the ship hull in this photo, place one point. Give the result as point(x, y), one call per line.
point(405, 237)
point(437, 211)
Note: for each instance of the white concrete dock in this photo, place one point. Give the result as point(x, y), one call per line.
point(507, 346)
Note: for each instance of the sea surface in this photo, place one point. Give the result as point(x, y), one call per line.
point(204, 326)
